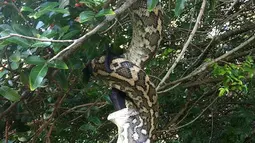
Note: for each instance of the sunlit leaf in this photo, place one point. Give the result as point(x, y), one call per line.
point(105, 12)
point(61, 10)
point(41, 44)
point(86, 16)
point(63, 3)
point(223, 91)
point(26, 8)
point(57, 64)
point(36, 76)
point(48, 7)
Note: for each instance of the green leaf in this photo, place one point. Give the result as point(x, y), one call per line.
point(6, 32)
point(45, 8)
point(64, 3)
point(57, 64)
point(223, 91)
point(41, 44)
point(15, 57)
point(36, 76)
point(24, 78)
point(2, 73)
point(92, 3)
point(26, 8)
point(14, 65)
point(19, 41)
point(61, 10)
point(107, 99)
point(2, 45)
point(245, 88)
point(35, 60)
point(86, 16)
point(71, 34)
point(9, 93)
point(151, 4)
point(167, 51)
point(5, 27)
point(64, 30)
point(22, 29)
point(105, 12)
point(95, 120)
point(180, 4)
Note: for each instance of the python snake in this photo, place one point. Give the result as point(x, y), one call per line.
point(128, 77)
point(131, 79)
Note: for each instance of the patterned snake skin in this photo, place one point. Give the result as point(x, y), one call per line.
point(128, 77)
point(131, 79)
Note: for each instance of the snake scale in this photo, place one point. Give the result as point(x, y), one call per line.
point(130, 78)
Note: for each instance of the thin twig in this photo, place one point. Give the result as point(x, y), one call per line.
point(178, 115)
point(33, 38)
point(198, 115)
point(232, 5)
point(192, 121)
point(199, 57)
point(6, 131)
point(185, 45)
point(49, 134)
point(50, 119)
point(171, 88)
point(211, 136)
point(194, 104)
point(116, 20)
point(83, 105)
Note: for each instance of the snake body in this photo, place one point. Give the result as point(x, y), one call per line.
point(122, 74)
point(131, 79)
point(147, 33)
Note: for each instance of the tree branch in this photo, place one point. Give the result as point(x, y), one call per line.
point(207, 64)
point(73, 47)
point(198, 115)
point(192, 121)
point(185, 45)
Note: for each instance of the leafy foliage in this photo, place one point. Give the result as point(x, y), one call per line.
point(235, 76)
